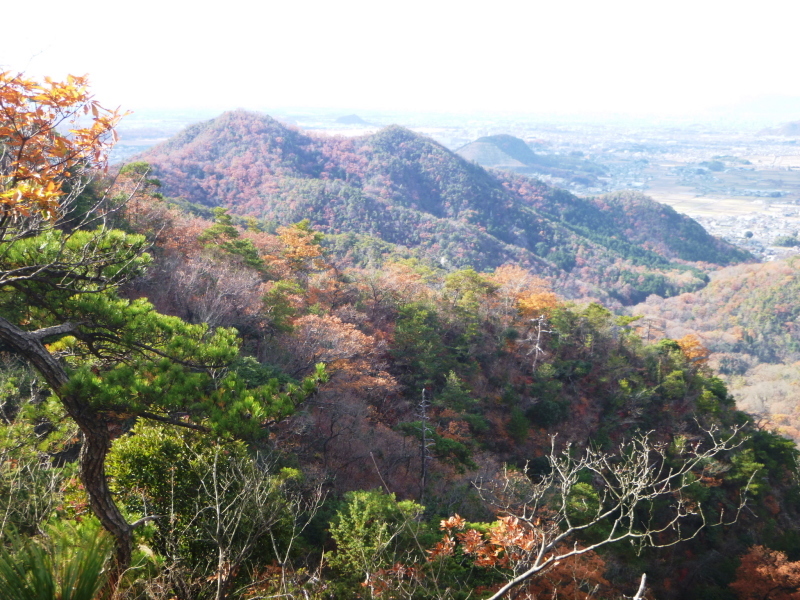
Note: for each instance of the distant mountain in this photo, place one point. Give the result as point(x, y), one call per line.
point(510, 153)
point(351, 120)
point(406, 189)
point(499, 151)
point(791, 129)
point(489, 155)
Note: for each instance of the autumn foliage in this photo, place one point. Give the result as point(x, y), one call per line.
point(504, 362)
point(766, 574)
point(693, 349)
point(45, 139)
point(398, 190)
point(442, 383)
point(501, 549)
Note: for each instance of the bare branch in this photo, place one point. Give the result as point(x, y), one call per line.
point(552, 510)
point(144, 520)
point(640, 593)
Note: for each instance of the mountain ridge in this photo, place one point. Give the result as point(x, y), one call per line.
point(408, 189)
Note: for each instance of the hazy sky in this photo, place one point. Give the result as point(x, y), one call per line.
point(557, 55)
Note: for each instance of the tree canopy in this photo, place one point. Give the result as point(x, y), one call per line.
point(110, 360)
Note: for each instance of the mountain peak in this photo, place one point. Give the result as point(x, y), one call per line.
point(351, 120)
point(498, 151)
point(398, 134)
point(407, 189)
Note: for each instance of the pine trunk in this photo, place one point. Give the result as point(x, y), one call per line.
point(93, 425)
point(96, 444)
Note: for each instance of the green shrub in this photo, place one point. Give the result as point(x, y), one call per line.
point(546, 413)
point(518, 425)
point(67, 564)
point(372, 530)
point(786, 241)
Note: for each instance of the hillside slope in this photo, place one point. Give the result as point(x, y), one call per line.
point(406, 189)
point(499, 386)
point(749, 318)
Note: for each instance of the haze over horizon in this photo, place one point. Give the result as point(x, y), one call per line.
point(620, 58)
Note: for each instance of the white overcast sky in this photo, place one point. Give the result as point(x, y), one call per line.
point(644, 56)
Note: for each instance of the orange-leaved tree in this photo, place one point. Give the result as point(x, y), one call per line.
point(766, 574)
point(301, 252)
point(694, 349)
point(108, 359)
point(50, 133)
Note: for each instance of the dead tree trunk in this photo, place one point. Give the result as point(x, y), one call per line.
point(425, 444)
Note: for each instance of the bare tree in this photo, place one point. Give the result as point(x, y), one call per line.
point(425, 443)
point(535, 339)
point(241, 503)
point(545, 517)
point(548, 524)
point(300, 509)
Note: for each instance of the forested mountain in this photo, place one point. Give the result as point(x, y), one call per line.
point(498, 151)
point(487, 367)
point(407, 190)
point(195, 407)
